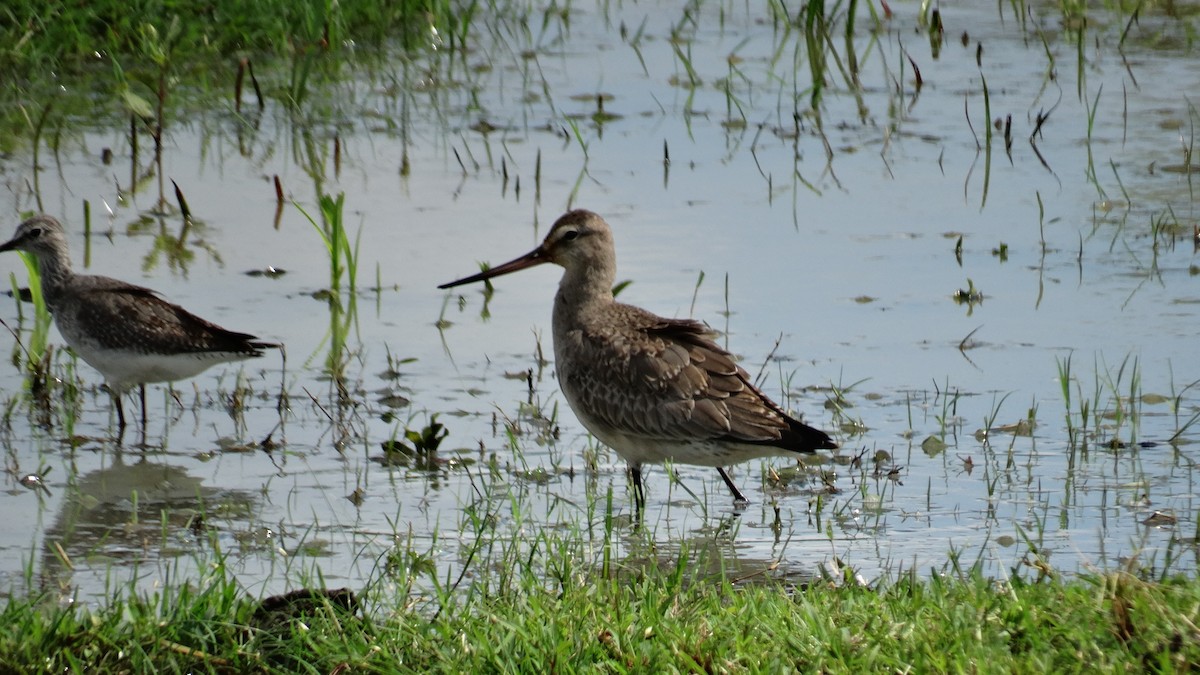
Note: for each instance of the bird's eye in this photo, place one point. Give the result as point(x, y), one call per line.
point(35, 232)
point(570, 235)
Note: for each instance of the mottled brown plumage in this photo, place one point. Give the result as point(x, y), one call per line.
point(651, 388)
point(127, 332)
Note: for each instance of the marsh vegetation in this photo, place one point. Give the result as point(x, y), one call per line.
point(961, 238)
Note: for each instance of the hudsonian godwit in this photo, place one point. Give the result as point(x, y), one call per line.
point(650, 388)
point(127, 332)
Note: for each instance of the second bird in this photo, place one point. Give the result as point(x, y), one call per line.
point(651, 388)
point(126, 332)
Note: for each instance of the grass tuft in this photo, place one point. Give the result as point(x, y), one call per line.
point(639, 617)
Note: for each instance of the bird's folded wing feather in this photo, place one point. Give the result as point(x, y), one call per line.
point(126, 315)
point(667, 379)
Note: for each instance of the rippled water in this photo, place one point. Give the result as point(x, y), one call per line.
point(824, 248)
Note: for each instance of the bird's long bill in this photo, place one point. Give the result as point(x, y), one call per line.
point(534, 257)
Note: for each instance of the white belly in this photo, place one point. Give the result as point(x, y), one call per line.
point(122, 369)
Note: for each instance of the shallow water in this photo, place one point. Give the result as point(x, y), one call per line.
point(828, 259)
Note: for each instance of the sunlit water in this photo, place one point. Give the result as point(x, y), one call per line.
point(827, 256)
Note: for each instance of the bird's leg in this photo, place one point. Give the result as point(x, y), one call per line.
point(142, 396)
point(639, 492)
point(175, 397)
point(738, 497)
point(116, 399)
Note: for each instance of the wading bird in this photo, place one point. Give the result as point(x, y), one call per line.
point(651, 388)
point(127, 332)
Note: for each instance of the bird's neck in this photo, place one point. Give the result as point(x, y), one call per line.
point(584, 286)
point(54, 270)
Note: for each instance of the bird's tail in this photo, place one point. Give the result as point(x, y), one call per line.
point(799, 437)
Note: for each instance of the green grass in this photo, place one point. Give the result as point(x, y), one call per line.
point(36, 34)
point(153, 60)
point(644, 619)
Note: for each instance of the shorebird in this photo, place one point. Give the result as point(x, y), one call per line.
point(651, 388)
point(127, 332)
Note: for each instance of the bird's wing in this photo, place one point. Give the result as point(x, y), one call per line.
point(125, 316)
point(667, 379)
